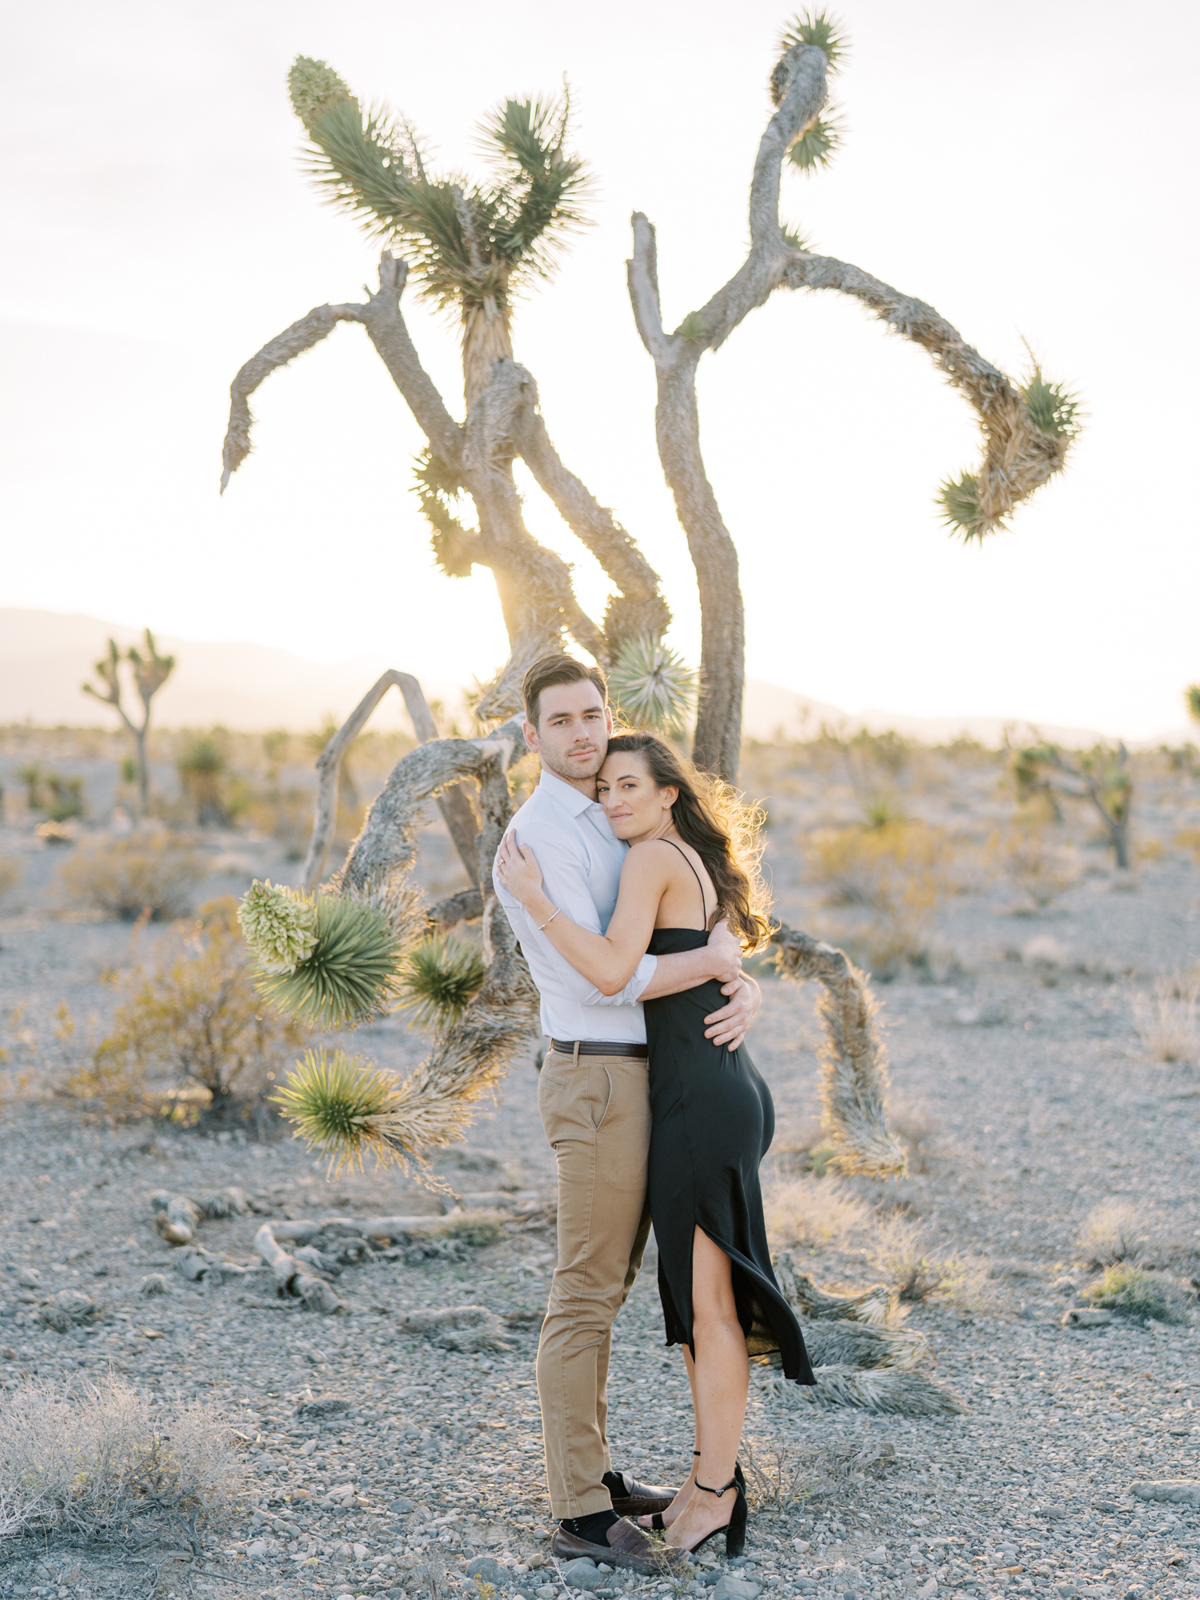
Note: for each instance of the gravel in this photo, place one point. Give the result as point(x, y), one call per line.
point(380, 1463)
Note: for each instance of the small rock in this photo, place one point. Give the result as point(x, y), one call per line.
point(1169, 1491)
point(582, 1574)
point(360, 1552)
point(1085, 1317)
point(256, 1549)
point(490, 1570)
point(28, 1277)
point(876, 1557)
point(401, 1507)
point(325, 1406)
point(153, 1283)
point(731, 1586)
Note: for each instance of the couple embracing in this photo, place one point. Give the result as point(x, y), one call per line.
point(633, 890)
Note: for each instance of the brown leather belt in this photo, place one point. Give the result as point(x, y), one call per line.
point(598, 1047)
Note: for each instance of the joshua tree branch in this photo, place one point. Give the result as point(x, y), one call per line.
point(286, 346)
point(388, 333)
point(454, 805)
point(1019, 455)
point(639, 608)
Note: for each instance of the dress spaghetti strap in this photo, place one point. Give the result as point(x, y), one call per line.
point(699, 884)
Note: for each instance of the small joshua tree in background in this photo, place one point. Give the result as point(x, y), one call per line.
point(150, 672)
point(1099, 775)
point(1191, 698)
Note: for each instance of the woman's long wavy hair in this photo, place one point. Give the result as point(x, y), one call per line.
point(723, 830)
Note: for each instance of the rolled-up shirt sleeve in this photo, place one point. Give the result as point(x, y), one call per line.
point(564, 866)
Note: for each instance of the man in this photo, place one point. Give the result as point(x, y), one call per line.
point(593, 1097)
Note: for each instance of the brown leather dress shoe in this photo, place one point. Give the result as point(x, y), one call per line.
point(640, 1499)
point(627, 1546)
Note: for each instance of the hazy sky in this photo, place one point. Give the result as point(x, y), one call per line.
point(1027, 166)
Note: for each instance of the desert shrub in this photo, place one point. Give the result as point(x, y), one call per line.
point(1133, 1292)
point(1188, 839)
point(902, 1250)
point(203, 767)
point(84, 1462)
point(128, 878)
point(1165, 1020)
point(1031, 859)
point(780, 1473)
point(812, 1211)
point(1113, 1232)
point(193, 1021)
point(11, 872)
point(901, 872)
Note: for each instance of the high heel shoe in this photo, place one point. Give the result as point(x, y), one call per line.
point(735, 1529)
point(656, 1518)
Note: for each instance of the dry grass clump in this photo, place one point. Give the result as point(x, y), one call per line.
point(146, 874)
point(903, 1252)
point(780, 1473)
point(813, 1211)
point(1133, 1292)
point(193, 1026)
point(11, 872)
point(1166, 1021)
point(83, 1461)
point(1115, 1231)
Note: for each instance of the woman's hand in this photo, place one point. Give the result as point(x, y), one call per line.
point(518, 871)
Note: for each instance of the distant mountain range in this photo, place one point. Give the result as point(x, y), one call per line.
point(46, 655)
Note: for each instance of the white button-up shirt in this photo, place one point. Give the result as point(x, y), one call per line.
point(581, 859)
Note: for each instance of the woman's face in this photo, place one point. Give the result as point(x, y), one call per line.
point(634, 804)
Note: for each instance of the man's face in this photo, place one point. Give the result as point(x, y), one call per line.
point(572, 732)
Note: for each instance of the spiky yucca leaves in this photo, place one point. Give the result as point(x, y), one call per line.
point(351, 973)
point(331, 1100)
point(1034, 446)
point(438, 980)
point(854, 1076)
point(820, 29)
point(279, 925)
point(818, 143)
point(467, 244)
point(439, 492)
point(652, 686)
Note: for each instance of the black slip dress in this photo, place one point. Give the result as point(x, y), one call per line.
point(712, 1121)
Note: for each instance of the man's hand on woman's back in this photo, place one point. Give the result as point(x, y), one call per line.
point(725, 950)
point(732, 1023)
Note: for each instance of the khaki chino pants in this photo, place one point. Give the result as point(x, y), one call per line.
point(596, 1113)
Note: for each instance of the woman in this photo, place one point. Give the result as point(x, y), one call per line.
point(692, 859)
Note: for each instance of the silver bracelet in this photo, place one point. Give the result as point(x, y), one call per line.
point(548, 920)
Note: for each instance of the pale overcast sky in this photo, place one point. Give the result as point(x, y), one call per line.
point(1027, 166)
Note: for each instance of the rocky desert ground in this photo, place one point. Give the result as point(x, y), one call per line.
point(1040, 1013)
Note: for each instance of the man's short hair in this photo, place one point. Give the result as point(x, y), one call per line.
point(549, 670)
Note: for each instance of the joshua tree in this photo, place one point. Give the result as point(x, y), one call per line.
point(1191, 698)
point(150, 672)
point(1099, 775)
point(468, 247)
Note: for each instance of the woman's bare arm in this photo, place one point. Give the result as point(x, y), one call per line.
point(607, 959)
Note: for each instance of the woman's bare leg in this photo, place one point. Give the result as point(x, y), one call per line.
point(685, 1488)
point(720, 1385)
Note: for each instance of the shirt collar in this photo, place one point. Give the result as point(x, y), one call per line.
point(563, 793)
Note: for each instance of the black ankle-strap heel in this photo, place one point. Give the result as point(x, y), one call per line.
point(656, 1519)
point(735, 1529)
